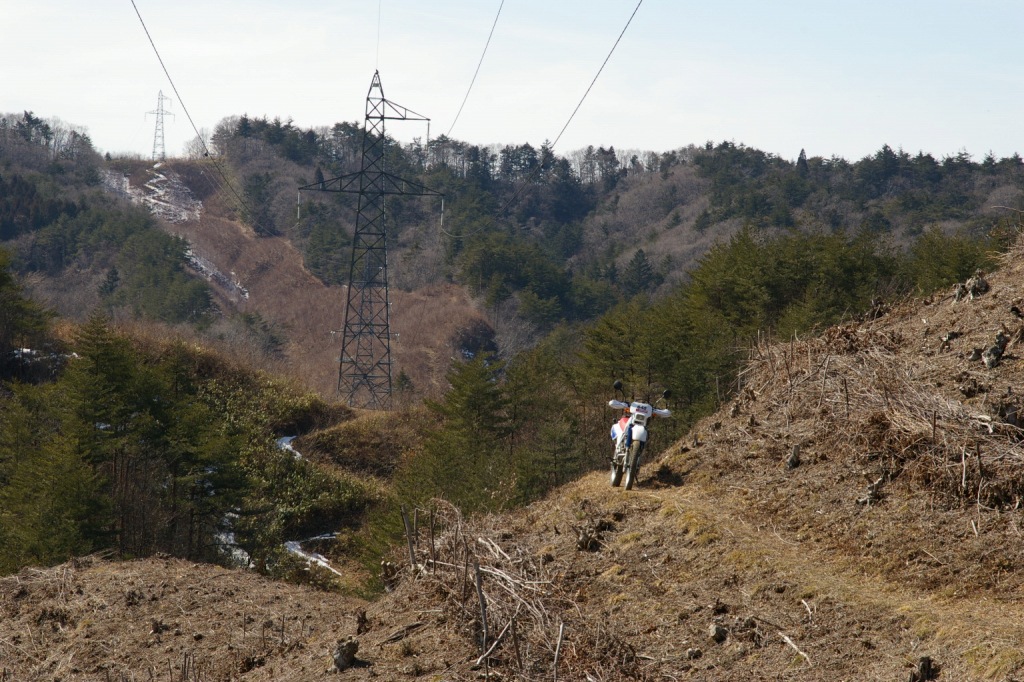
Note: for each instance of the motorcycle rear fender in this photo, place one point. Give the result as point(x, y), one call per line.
point(640, 433)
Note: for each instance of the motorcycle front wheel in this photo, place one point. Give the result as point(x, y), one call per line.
point(633, 463)
point(616, 472)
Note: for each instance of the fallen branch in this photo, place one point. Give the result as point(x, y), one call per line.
point(497, 641)
point(790, 642)
point(402, 633)
point(483, 605)
point(558, 649)
point(497, 551)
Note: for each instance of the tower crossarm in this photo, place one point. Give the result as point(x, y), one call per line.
point(396, 112)
point(389, 184)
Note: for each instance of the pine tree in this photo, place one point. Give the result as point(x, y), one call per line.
point(51, 506)
point(638, 275)
point(466, 459)
point(22, 322)
point(801, 164)
point(111, 282)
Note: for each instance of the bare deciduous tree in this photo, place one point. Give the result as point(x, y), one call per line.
point(199, 146)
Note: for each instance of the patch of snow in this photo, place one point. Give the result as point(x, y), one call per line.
point(227, 544)
point(285, 443)
point(295, 547)
point(208, 270)
point(164, 194)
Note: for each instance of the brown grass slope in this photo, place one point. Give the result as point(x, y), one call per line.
point(896, 537)
point(155, 619)
point(309, 313)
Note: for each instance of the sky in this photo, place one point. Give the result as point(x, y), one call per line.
point(833, 77)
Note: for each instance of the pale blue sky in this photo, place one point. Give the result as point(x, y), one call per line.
point(835, 78)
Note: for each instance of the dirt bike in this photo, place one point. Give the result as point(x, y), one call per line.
point(630, 435)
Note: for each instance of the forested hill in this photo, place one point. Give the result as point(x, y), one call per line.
point(693, 251)
point(657, 268)
point(568, 236)
point(542, 236)
point(666, 271)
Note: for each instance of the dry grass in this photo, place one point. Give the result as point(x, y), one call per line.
point(507, 600)
point(174, 621)
point(808, 573)
point(371, 444)
point(311, 315)
point(426, 321)
point(854, 384)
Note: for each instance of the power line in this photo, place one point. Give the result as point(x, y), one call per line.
point(610, 52)
point(573, 114)
point(241, 202)
point(475, 73)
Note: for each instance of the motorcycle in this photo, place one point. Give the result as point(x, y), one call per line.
point(630, 434)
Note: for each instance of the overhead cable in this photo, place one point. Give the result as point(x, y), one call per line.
point(573, 114)
point(610, 52)
point(206, 149)
point(475, 73)
point(376, 64)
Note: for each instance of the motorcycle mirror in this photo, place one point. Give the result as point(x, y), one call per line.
point(617, 385)
point(667, 394)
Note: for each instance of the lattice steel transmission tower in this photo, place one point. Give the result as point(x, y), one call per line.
point(159, 152)
point(364, 375)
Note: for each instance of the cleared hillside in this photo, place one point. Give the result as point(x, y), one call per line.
point(266, 276)
point(893, 537)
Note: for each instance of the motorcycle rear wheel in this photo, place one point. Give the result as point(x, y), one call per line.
point(633, 463)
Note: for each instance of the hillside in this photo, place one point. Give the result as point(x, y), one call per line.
point(511, 285)
point(528, 241)
point(307, 313)
point(878, 544)
point(889, 550)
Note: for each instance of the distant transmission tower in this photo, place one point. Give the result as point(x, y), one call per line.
point(159, 152)
point(364, 376)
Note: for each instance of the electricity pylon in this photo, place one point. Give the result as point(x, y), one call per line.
point(159, 152)
point(364, 374)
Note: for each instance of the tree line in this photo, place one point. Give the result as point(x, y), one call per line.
point(526, 204)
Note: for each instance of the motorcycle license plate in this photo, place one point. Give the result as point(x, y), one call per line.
point(641, 409)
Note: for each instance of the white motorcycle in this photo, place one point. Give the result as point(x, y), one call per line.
point(630, 435)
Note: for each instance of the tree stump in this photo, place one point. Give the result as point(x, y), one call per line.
point(345, 653)
point(926, 670)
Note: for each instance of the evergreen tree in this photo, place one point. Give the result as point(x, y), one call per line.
point(938, 260)
point(801, 164)
point(638, 275)
point(111, 282)
point(22, 322)
point(467, 458)
point(51, 506)
point(259, 200)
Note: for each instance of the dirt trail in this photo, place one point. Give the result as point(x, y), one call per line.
point(971, 635)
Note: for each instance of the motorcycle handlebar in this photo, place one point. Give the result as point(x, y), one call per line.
point(619, 405)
